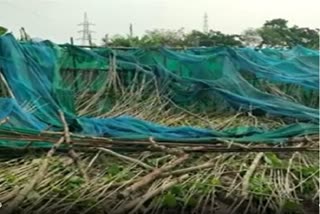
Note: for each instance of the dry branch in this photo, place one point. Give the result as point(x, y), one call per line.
point(156, 173)
point(137, 203)
point(126, 158)
point(173, 151)
point(192, 146)
point(153, 176)
point(71, 152)
point(190, 169)
point(10, 195)
point(249, 173)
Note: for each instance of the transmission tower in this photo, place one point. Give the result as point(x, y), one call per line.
point(205, 23)
point(86, 33)
point(131, 30)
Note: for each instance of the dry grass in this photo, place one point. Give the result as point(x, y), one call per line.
point(204, 183)
point(212, 182)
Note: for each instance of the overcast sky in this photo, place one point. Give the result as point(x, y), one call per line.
point(57, 19)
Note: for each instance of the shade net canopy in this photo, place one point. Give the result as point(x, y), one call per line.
point(231, 79)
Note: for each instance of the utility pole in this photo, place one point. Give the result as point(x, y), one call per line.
point(86, 33)
point(131, 34)
point(131, 30)
point(106, 40)
point(205, 23)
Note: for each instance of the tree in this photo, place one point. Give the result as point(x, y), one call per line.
point(276, 23)
point(212, 38)
point(273, 33)
point(251, 37)
point(196, 38)
point(218, 38)
point(304, 36)
point(161, 37)
point(277, 33)
point(122, 41)
point(3, 30)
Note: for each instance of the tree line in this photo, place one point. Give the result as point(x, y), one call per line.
point(274, 33)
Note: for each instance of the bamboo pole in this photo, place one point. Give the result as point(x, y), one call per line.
point(6, 84)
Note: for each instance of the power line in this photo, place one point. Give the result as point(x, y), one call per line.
point(86, 33)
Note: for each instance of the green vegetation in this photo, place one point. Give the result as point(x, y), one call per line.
point(3, 30)
point(274, 33)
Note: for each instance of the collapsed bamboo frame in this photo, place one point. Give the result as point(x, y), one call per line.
point(167, 173)
point(89, 142)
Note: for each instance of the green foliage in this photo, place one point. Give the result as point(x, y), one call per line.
point(75, 182)
point(174, 38)
point(213, 38)
point(122, 41)
point(3, 30)
point(177, 190)
point(306, 171)
point(309, 171)
point(259, 184)
point(216, 182)
point(169, 200)
point(304, 36)
point(290, 206)
point(272, 160)
point(114, 169)
point(274, 33)
point(192, 201)
point(276, 23)
point(251, 37)
point(10, 179)
point(177, 194)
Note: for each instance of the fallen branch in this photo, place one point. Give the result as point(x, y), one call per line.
point(71, 151)
point(87, 148)
point(182, 156)
point(126, 158)
point(10, 195)
point(190, 169)
point(249, 173)
point(173, 151)
point(193, 146)
point(232, 143)
point(137, 203)
point(152, 176)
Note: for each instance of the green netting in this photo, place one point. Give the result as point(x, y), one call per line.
point(50, 78)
